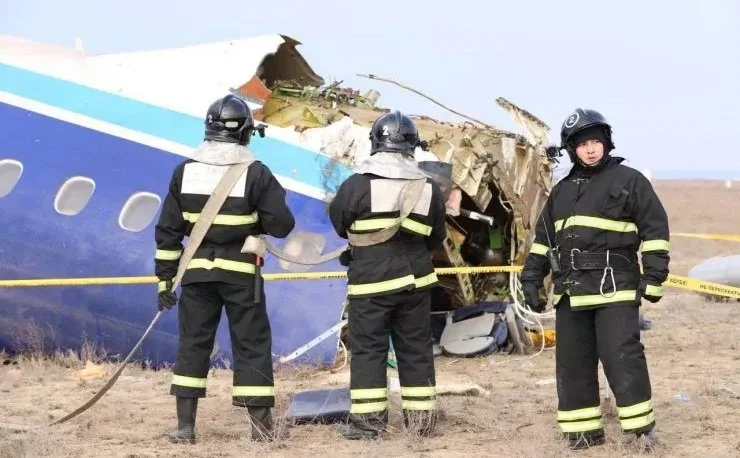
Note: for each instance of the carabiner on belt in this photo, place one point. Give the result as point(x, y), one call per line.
point(608, 269)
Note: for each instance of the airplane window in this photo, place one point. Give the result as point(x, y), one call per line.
point(74, 195)
point(10, 173)
point(139, 211)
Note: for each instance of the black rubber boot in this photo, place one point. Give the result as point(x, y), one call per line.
point(585, 441)
point(185, 431)
point(420, 422)
point(262, 428)
point(647, 441)
point(364, 426)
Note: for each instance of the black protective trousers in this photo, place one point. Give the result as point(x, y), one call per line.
point(610, 334)
point(405, 317)
point(251, 342)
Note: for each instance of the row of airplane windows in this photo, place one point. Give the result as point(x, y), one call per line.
point(75, 193)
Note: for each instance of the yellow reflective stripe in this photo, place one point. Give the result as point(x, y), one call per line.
point(381, 286)
point(383, 223)
point(368, 393)
point(368, 407)
point(253, 391)
point(556, 298)
point(581, 426)
point(224, 220)
point(418, 405)
point(655, 245)
point(538, 248)
point(219, 263)
point(652, 290)
point(389, 285)
point(638, 422)
point(426, 280)
point(167, 255)
point(597, 299)
point(188, 382)
point(579, 414)
point(636, 409)
point(418, 391)
point(372, 224)
point(417, 227)
point(596, 223)
point(161, 286)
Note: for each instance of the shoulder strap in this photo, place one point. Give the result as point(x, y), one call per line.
point(207, 215)
point(409, 196)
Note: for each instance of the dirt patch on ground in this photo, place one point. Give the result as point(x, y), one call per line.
point(692, 353)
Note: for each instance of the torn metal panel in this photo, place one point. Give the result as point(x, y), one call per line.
point(535, 130)
point(504, 175)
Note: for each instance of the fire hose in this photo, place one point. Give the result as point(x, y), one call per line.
point(151, 279)
point(521, 310)
point(255, 245)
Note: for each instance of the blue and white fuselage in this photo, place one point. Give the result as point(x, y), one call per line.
point(87, 148)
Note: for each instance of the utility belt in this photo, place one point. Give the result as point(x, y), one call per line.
point(607, 262)
point(387, 250)
point(585, 260)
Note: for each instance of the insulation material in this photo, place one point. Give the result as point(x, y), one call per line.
point(342, 139)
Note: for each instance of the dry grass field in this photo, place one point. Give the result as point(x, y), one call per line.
point(693, 353)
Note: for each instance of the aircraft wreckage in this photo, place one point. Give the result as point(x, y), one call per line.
point(500, 181)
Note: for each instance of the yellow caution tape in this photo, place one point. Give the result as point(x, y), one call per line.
point(267, 276)
point(676, 281)
point(730, 237)
point(701, 286)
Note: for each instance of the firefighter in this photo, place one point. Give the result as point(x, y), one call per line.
point(219, 273)
point(389, 283)
point(588, 236)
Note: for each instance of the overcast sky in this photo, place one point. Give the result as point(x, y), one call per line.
point(665, 73)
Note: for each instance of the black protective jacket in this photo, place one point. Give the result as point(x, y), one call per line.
point(255, 206)
point(597, 221)
point(368, 203)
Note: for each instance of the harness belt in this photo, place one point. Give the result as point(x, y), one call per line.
point(585, 260)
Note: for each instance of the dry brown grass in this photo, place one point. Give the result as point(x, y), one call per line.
point(692, 353)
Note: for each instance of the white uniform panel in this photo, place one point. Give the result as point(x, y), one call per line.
point(385, 196)
point(200, 178)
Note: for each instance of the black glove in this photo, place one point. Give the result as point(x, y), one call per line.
point(345, 257)
point(166, 299)
point(642, 292)
point(532, 297)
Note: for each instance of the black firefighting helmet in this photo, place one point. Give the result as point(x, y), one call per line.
point(229, 120)
point(394, 132)
point(589, 122)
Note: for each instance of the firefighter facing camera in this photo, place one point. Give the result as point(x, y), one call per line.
point(220, 274)
point(587, 237)
point(393, 215)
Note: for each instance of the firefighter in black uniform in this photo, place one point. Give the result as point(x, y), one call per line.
point(389, 283)
point(588, 236)
point(219, 273)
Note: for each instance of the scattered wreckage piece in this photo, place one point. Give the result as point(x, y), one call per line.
point(332, 405)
